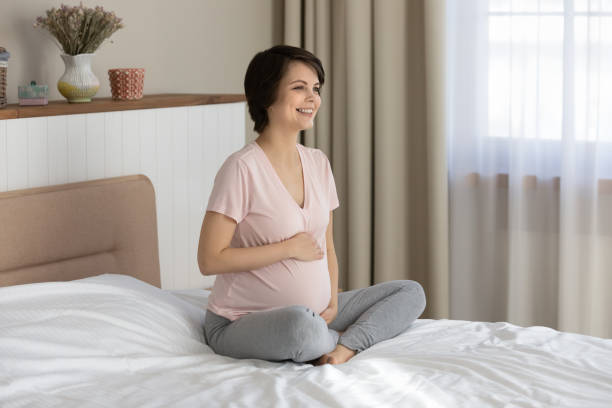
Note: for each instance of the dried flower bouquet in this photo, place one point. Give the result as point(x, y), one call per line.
point(79, 29)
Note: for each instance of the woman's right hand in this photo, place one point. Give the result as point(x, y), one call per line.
point(304, 247)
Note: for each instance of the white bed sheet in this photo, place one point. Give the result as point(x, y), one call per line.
point(114, 341)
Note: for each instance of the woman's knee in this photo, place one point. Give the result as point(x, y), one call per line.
point(305, 328)
point(301, 319)
point(415, 293)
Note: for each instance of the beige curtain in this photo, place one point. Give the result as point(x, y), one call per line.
point(381, 124)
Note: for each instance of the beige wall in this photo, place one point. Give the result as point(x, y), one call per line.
point(192, 46)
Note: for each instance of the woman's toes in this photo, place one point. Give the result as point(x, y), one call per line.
point(321, 360)
point(339, 355)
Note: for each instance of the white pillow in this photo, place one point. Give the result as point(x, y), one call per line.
point(104, 315)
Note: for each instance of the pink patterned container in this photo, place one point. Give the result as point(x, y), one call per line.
point(126, 83)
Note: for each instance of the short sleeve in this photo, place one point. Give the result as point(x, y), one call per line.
point(331, 185)
point(230, 193)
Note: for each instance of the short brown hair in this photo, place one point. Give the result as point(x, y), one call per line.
point(265, 72)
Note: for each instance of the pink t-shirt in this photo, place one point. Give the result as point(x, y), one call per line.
point(248, 189)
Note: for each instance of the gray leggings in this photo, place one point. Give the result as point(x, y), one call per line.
point(366, 316)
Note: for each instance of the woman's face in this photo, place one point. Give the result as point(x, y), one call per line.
point(297, 100)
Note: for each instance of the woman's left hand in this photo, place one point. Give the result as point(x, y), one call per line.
point(330, 313)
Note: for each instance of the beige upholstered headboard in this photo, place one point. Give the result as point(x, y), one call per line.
point(72, 231)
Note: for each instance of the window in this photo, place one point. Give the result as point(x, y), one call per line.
point(550, 68)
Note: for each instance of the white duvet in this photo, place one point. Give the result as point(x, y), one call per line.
point(114, 341)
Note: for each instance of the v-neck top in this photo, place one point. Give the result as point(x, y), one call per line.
point(248, 190)
point(273, 170)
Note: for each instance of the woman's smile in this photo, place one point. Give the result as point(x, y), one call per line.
point(309, 113)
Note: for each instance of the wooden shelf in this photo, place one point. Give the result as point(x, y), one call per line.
point(54, 108)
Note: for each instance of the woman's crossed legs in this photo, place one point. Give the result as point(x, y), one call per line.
point(365, 317)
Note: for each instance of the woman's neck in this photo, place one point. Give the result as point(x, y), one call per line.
point(279, 145)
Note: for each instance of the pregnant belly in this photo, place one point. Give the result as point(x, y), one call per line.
point(285, 283)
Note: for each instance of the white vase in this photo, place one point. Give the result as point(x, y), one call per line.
point(78, 84)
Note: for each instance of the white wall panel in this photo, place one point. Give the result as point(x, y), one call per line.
point(113, 147)
point(17, 154)
point(225, 129)
point(57, 142)
point(148, 144)
point(163, 188)
point(180, 195)
point(237, 119)
point(195, 186)
point(38, 173)
point(130, 142)
point(179, 149)
point(211, 157)
point(77, 148)
point(94, 124)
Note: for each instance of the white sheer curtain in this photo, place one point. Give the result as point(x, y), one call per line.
point(530, 156)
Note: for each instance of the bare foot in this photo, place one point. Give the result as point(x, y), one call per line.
point(339, 355)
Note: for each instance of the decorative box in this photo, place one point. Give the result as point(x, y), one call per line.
point(33, 94)
point(4, 56)
point(126, 83)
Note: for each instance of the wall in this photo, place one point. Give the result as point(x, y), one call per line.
point(190, 46)
point(178, 149)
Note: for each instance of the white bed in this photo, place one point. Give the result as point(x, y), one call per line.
point(83, 323)
point(115, 341)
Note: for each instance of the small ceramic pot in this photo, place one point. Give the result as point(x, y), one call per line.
point(126, 83)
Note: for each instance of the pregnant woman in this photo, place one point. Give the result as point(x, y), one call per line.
point(268, 236)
